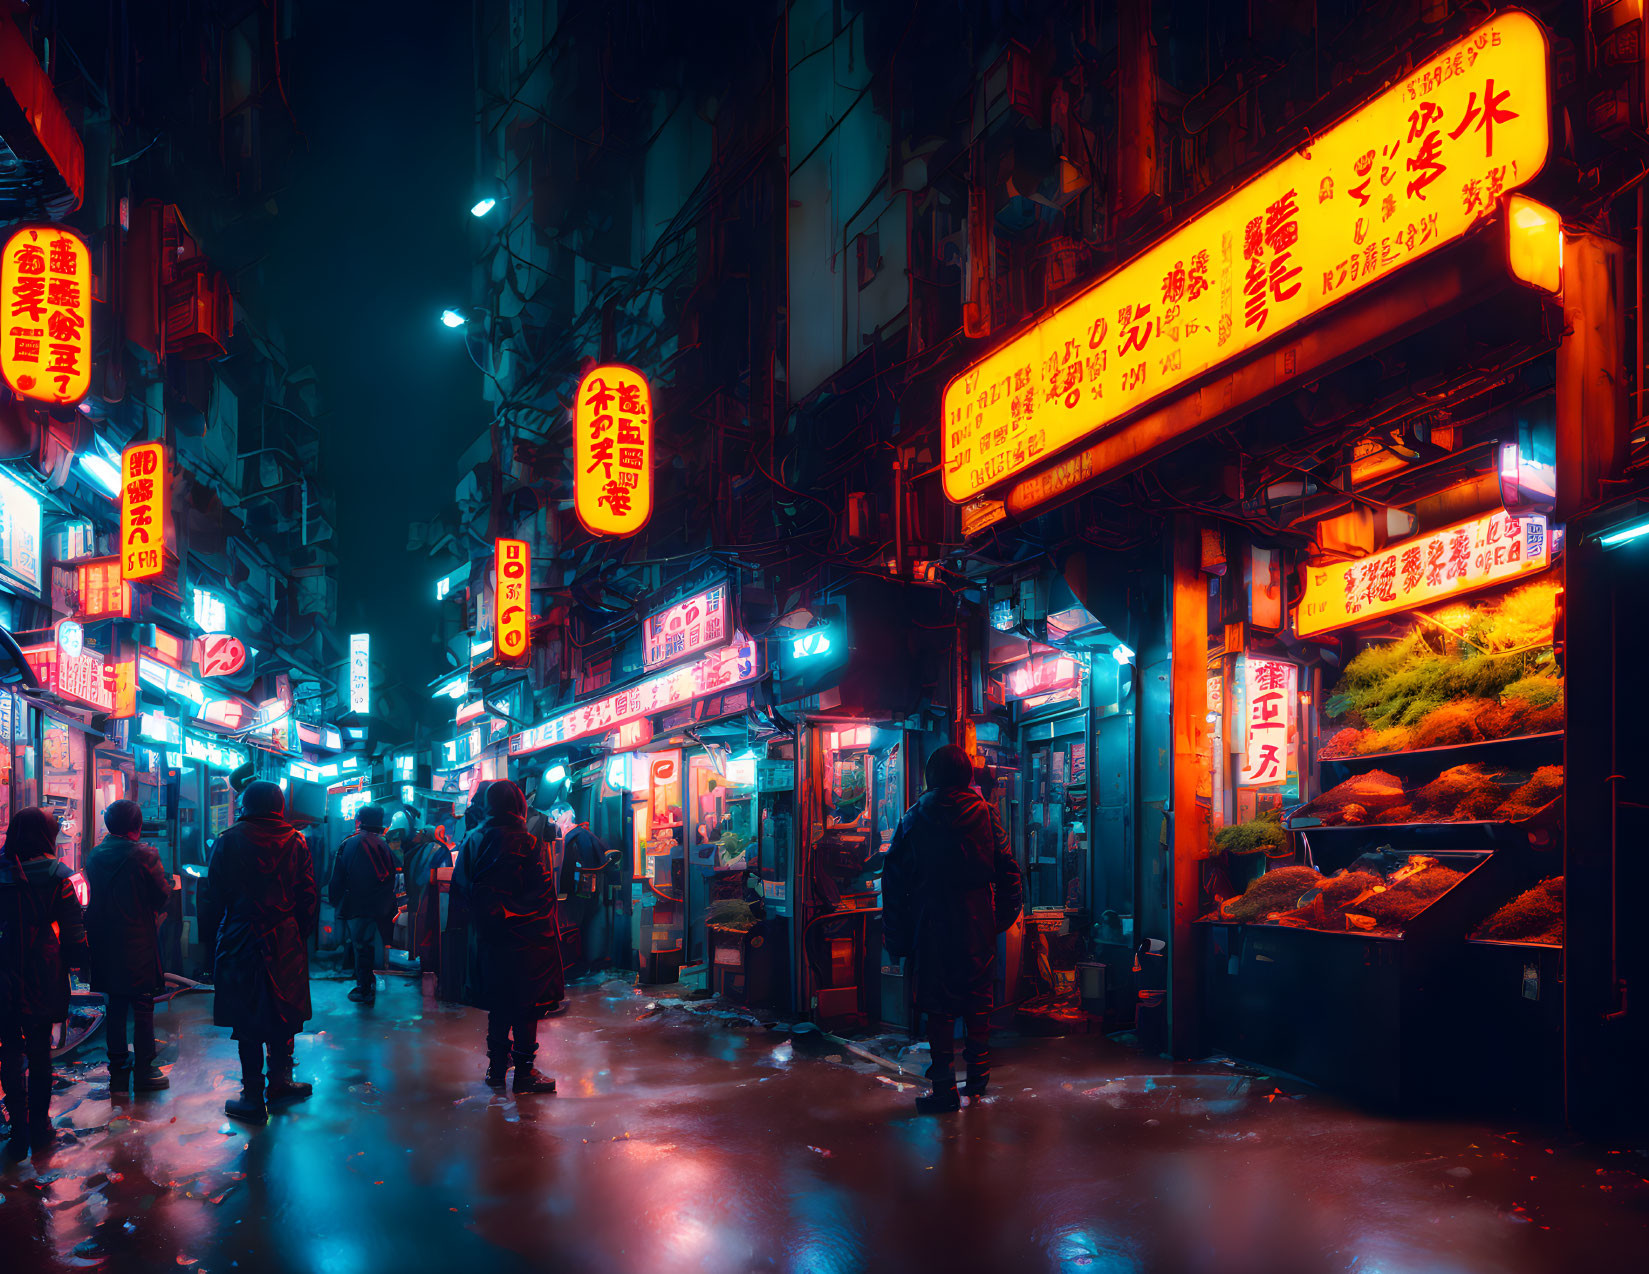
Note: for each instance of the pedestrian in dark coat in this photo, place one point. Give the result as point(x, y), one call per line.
point(127, 896)
point(589, 870)
point(362, 888)
point(42, 935)
point(949, 886)
point(514, 965)
point(262, 876)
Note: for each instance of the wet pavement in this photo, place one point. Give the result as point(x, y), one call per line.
point(684, 1140)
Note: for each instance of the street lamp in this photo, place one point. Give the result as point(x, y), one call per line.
point(453, 318)
point(482, 207)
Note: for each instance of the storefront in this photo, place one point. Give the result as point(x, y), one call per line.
point(1349, 844)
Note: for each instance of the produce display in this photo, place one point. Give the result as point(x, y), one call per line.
point(1256, 836)
point(1358, 899)
point(1462, 674)
point(1472, 793)
point(1533, 916)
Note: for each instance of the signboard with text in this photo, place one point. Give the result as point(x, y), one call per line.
point(613, 450)
point(719, 670)
point(46, 282)
point(19, 533)
point(360, 686)
point(1429, 568)
point(690, 625)
point(1270, 697)
point(1414, 169)
point(143, 495)
point(512, 600)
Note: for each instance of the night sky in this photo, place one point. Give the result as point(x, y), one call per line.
point(375, 239)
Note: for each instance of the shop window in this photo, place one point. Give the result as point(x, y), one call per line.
point(113, 781)
point(723, 814)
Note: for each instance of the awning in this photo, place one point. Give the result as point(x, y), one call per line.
point(42, 162)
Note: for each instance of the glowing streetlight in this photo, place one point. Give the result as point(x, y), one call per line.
point(452, 318)
point(483, 206)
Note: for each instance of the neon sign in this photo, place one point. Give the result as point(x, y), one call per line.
point(46, 279)
point(360, 688)
point(512, 599)
point(720, 670)
point(685, 627)
point(613, 451)
point(1414, 169)
point(143, 498)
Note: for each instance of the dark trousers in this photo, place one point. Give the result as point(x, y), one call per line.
point(512, 1033)
point(976, 1051)
point(251, 1063)
point(141, 1009)
point(363, 940)
point(26, 1068)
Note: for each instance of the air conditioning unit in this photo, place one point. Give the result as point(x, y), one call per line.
point(200, 315)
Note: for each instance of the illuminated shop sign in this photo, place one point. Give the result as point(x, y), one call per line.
point(143, 496)
point(211, 753)
point(1270, 695)
point(613, 451)
point(211, 611)
point(159, 728)
point(693, 624)
point(405, 767)
point(46, 280)
point(67, 668)
point(170, 681)
point(219, 655)
point(360, 688)
point(19, 533)
point(512, 600)
point(1042, 676)
point(1413, 170)
point(103, 592)
point(1429, 568)
point(720, 670)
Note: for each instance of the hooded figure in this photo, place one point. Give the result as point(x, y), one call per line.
point(127, 896)
point(949, 887)
point(362, 888)
point(428, 850)
point(514, 965)
point(263, 878)
point(41, 936)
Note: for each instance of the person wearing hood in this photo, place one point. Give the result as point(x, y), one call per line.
point(514, 959)
point(362, 888)
point(589, 871)
point(949, 886)
point(263, 878)
point(127, 896)
point(42, 935)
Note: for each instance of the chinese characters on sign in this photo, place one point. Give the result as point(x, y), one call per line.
point(67, 668)
point(143, 482)
point(512, 600)
point(719, 670)
point(1427, 569)
point(1416, 168)
point(360, 691)
point(46, 346)
point(1270, 689)
point(690, 625)
point(613, 451)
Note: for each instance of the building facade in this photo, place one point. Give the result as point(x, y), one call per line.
point(1224, 423)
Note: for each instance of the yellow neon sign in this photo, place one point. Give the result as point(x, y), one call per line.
point(613, 450)
point(1414, 169)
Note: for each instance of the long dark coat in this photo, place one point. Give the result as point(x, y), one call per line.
point(363, 878)
point(503, 875)
point(950, 885)
point(41, 935)
point(127, 895)
point(262, 876)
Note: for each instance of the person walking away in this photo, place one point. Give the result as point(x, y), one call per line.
point(127, 896)
point(513, 968)
point(42, 934)
point(263, 877)
point(587, 868)
point(362, 888)
point(949, 886)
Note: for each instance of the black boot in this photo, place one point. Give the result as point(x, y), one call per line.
point(364, 995)
point(498, 1072)
point(282, 1087)
point(42, 1136)
point(941, 1101)
point(528, 1079)
point(149, 1078)
point(249, 1107)
point(979, 1079)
